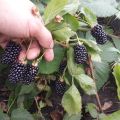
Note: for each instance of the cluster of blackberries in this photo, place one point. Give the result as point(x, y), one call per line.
point(98, 33)
point(60, 87)
point(10, 53)
point(80, 54)
point(22, 73)
point(19, 72)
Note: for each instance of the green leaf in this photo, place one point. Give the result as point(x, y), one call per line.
point(54, 7)
point(26, 89)
point(71, 7)
point(71, 101)
point(116, 73)
point(21, 114)
point(63, 34)
point(89, 16)
point(91, 45)
point(102, 8)
point(101, 72)
point(72, 21)
point(53, 26)
point(109, 53)
point(92, 110)
point(113, 116)
point(74, 69)
point(3, 116)
point(72, 117)
point(87, 84)
point(50, 67)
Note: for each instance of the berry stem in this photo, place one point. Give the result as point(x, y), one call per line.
point(11, 104)
point(31, 40)
point(40, 58)
point(93, 77)
point(63, 45)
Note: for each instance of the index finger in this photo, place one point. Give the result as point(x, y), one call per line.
point(41, 33)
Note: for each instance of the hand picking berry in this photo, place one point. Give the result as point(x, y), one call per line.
point(30, 74)
point(17, 72)
point(98, 33)
point(60, 87)
point(11, 53)
point(80, 54)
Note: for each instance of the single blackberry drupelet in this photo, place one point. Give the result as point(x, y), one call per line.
point(17, 72)
point(60, 87)
point(98, 33)
point(30, 74)
point(62, 66)
point(11, 53)
point(80, 54)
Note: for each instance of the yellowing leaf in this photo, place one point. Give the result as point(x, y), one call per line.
point(116, 73)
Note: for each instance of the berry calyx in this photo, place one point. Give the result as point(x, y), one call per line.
point(80, 54)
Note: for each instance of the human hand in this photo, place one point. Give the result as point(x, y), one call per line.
point(17, 21)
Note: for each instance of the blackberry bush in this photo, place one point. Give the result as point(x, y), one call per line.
point(80, 54)
point(17, 72)
point(98, 33)
point(11, 53)
point(59, 87)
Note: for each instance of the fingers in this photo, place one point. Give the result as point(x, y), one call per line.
point(40, 32)
point(3, 40)
point(49, 55)
point(33, 51)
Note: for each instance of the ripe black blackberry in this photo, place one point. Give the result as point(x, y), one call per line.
point(60, 87)
point(80, 54)
point(31, 72)
point(62, 66)
point(10, 53)
point(98, 33)
point(17, 72)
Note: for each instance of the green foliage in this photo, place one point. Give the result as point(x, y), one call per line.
point(71, 101)
point(116, 73)
point(89, 17)
point(63, 34)
point(102, 8)
point(50, 67)
point(91, 108)
point(3, 116)
point(101, 72)
point(21, 114)
point(77, 19)
point(71, 21)
point(53, 9)
point(113, 116)
point(71, 7)
point(72, 117)
point(87, 84)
